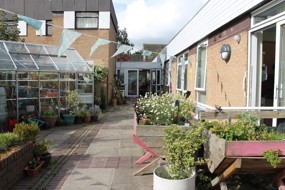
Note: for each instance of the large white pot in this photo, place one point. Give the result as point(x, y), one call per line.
point(162, 183)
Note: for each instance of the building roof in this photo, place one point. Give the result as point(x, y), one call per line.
point(34, 57)
point(44, 9)
point(213, 15)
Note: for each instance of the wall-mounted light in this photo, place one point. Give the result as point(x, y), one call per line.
point(225, 52)
point(237, 38)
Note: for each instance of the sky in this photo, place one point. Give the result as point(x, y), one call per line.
point(154, 21)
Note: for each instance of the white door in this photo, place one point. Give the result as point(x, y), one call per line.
point(279, 93)
point(132, 86)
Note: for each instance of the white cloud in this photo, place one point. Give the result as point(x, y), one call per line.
point(149, 21)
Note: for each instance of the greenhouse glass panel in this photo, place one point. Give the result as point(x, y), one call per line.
point(5, 60)
point(44, 62)
point(63, 64)
point(77, 61)
point(37, 49)
point(53, 50)
point(14, 47)
point(23, 62)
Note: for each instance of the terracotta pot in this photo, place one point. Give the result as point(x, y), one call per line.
point(33, 172)
point(87, 119)
point(114, 101)
point(51, 120)
point(144, 121)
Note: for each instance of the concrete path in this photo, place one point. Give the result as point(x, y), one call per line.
point(97, 156)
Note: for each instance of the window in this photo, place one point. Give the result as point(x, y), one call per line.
point(179, 75)
point(185, 70)
point(182, 72)
point(201, 66)
point(49, 28)
point(268, 11)
point(86, 20)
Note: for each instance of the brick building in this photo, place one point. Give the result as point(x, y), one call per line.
point(90, 17)
point(253, 32)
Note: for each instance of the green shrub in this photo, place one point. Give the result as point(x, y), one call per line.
point(8, 140)
point(244, 128)
point(27, 132)
point(43, 147)
point(181, 146)
point(161, 109)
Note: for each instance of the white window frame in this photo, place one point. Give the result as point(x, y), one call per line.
point(263, 9)
point(205, 44)
point(22, 25)
point(184, 56)
point(104, 20)
point(179, 64)
point(87, 28)
point(186, 61)
point(69, 19)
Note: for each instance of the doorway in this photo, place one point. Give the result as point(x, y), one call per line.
point(267, 69)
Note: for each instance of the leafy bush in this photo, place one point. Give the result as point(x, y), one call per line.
point(244, 128)
point(27, 132)
point(8, 140)
point(95, 110)
point(162, 110)
point(49, 113)
point(73, 102)
point(32, 164)
point(43, 147)
point(181, 146)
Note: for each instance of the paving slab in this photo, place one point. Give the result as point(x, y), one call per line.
point(99, 156)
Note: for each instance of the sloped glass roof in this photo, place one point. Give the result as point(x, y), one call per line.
point(35, 57)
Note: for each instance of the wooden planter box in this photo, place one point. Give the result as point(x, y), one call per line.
point(152, 136)
point(222, 154)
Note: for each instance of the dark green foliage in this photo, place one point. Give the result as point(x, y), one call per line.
point(27, 132)
point(42, 148)
point(8, 140)
point(8, 29)
point(122, 37)
point(245, 128)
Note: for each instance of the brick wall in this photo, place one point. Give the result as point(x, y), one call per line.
point(12, 167)
point(224, 80)
point(101, 57)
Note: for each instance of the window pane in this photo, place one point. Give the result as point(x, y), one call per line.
point(179, 74)
point(201, 68)
point(49, 28)
point(275, 10)
point(86, 20)
point(185, 77)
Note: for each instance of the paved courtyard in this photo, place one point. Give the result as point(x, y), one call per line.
point(97, 156)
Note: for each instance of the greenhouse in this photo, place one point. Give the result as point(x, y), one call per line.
point(33, 79)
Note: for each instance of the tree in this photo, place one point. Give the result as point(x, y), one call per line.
point(8, 29)
point(122, 37)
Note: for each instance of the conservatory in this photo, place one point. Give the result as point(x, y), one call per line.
point(35, 79)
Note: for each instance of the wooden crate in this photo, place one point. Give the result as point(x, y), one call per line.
point(221, 154)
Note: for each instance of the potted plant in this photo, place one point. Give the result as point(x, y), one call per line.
point(79, 119)
point(33, 167)
point(50, 117)
point(87, 116)
point(73, 103)
point(41, 151)
point(95, 111)
point(181, 146)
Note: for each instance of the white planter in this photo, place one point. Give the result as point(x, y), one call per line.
point(160, 183)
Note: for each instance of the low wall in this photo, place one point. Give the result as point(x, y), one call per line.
point(12, 167)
